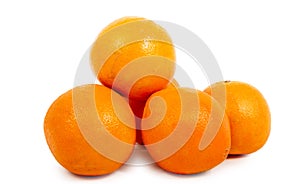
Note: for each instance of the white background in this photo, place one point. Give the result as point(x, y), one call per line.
point(41, 45)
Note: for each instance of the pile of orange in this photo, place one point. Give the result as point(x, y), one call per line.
point(92, 129)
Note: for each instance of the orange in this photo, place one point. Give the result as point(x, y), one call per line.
point(248, 113)
point(137, 107)
point(90, 130)
point(185, 131)
point(133, 56)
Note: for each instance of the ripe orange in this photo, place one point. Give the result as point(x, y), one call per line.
point(185, 130)
point(90, 130)
point(133, 56)
point(248, 113)
point(137, 107)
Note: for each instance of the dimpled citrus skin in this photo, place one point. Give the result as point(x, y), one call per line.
point(189, 159)
point(155, 43)
point(64, 136)
point(248, 113)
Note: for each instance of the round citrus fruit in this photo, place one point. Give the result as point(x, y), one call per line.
point(185, 130)
point(90, 130)
point(137, 107)
point(133, 56)
point(248, 113)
